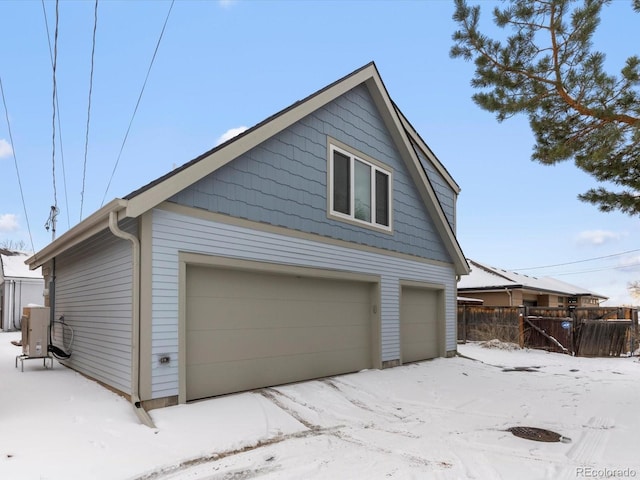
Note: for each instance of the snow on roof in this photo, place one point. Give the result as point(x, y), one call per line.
point(469, 300)
point(13, 266)
point(559, 285)
point(485, 277)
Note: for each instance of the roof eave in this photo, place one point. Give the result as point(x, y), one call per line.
point(494, 288)
point(97, 221)
point(428, 152)
point(146, 198)
point(499, 288)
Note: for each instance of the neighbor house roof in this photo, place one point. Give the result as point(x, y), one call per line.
point(163, 188)
point(12, 266)
point(485, 277)
point(470, 300)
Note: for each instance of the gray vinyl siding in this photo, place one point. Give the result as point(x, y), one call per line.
point(172, 233)
point(93, 292)
point(17, 293)
point(283, 181)
point(445, 194)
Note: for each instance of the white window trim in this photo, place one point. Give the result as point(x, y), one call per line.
point(375, 166)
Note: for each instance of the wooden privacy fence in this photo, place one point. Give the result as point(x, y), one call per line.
point(597, 338)
point(477, 322)
point(584, 331)
point(549, 333)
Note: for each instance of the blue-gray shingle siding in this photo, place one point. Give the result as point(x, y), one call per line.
point(445, 194)
point(283, 181)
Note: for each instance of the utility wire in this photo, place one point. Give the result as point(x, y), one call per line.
point(53, 123)
point(578, 261)
point(86, 138)
point(138, 102)
point(64, 173)
point(617, 267)
point(15, 161)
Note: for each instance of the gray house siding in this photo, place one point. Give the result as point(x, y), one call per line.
point(15, 294)
point(173, 232)
point(93, 292)
point(444, 192)
point(283, 181)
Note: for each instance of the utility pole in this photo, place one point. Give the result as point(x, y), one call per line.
point(51, 222)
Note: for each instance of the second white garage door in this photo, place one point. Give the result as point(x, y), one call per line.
point(248, 329)
point(420, 330)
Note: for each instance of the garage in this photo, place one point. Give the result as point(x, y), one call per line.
point(420, 332)
point(248, 329)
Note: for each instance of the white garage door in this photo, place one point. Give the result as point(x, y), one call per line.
point(419, 325)
point(247, 329)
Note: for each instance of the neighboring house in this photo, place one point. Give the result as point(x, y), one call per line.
point(321, 241)
point(499, 287)
point(19, 287)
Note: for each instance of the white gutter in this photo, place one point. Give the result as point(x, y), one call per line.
point(142, 414)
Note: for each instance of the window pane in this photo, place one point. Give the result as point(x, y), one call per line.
point(341, 184)
point(362, 191)
point(382, 198)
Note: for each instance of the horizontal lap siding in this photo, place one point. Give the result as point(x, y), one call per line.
point(93, 292)
point(173, 232)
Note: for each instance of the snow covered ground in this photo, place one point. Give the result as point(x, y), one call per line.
point(442, 419)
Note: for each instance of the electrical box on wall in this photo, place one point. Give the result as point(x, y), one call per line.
point(35, 332)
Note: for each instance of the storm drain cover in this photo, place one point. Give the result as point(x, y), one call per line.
point(538, 434)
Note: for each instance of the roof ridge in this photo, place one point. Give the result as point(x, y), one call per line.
point(244, 133)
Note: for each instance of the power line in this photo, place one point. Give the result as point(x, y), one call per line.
point(86, 138)
point(578, 261)
point(64, 173)
point(617, 267)
point(138, 102)
point(15, 161)
point(53, 122)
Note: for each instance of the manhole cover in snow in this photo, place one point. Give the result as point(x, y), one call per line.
point(538, 434)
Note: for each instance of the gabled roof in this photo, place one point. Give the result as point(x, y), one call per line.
point(156, 192)
point(12, 266)
point(485, 277)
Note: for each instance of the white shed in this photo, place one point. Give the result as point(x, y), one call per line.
point(19, 287)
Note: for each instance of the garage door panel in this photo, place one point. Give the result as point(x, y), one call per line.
point(260, 285)
point(415, 331)
point(248, 329)
point(221, 312)
point(240, 375)
point(213, 345)
point(419, 331)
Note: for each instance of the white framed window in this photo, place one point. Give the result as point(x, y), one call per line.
point(359, 189)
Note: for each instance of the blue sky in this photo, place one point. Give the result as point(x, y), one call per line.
point(228, 64)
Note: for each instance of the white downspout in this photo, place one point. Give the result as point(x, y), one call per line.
point(10, 316)
point(142, 414)
point(13, 305)
point(510, 296)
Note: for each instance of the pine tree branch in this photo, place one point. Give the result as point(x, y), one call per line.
point(559, 86)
